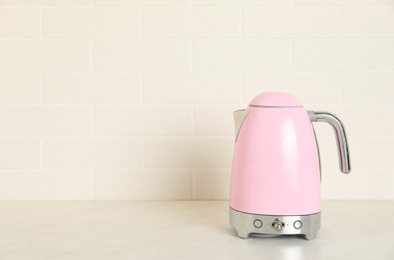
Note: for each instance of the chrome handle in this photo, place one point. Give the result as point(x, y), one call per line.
point(342, 144)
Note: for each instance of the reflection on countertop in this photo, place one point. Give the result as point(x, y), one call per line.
point(184, 230)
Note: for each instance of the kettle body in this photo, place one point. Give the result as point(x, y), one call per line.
point(275, 180)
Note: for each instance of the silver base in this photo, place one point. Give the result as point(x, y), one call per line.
point(248, 224)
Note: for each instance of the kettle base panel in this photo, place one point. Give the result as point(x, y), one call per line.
point(248, 224)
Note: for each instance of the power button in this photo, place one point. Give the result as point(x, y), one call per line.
point(257, 223)
point(297, 224)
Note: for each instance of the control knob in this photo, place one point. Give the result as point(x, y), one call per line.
point(277, 225)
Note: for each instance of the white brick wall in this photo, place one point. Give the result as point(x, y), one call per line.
point(44, 55)
point(191, 23)
point(133, 99)
point(90, 23)
point(301, 22)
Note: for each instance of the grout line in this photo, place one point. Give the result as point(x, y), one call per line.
point(40, 23)
point(41, 154)
point(140, 34)
point(91, 56)
point(292, 56)
point(340, 23)
point(180, 39)
point(392, 54)
point(192, 56)
point(93, 186)
point(243, 88)
point(156, 6)
point(341, 90)
point(138, 137)
point(134, 169)
point(242, 23)
point(41, 97)
point(173, 104)
point(90, 137)
point(344, 5)
point(143, 152)
point(142, 95)
point(196, 71)
point(260, 6)
point(392, 185)
point(169, 169)
point(92, 132)
point(193, 186)
point(193, 119)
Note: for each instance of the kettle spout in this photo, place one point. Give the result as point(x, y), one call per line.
point(239, 117)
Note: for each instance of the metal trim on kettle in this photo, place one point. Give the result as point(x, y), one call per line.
point(275, 179)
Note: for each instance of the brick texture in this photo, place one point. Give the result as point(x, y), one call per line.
point(133, 99)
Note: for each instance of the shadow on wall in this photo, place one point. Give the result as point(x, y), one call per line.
point(212, 160)
point(207, 160)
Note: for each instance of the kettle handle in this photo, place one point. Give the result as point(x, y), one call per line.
point(342, 144)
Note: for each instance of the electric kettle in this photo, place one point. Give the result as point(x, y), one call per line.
point(275, 179)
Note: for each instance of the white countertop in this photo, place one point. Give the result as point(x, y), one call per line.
point(184, 230)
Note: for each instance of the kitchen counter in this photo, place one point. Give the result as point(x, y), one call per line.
point(184, 230)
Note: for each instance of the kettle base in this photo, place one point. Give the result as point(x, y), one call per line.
point(248, 224)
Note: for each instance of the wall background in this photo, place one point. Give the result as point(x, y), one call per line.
point(133, 99)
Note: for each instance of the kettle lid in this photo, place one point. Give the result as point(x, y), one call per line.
point(275, 99)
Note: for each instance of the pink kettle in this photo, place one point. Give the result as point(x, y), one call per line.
point(275, 179)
